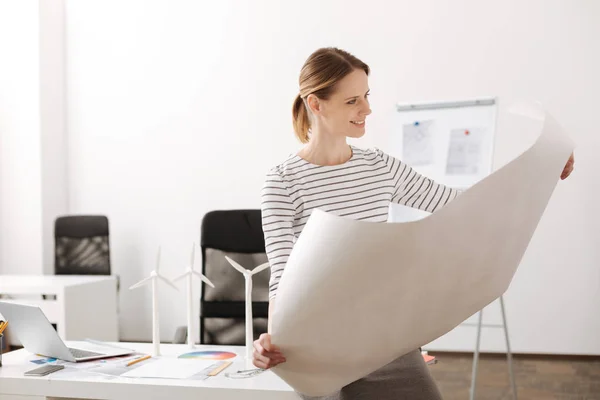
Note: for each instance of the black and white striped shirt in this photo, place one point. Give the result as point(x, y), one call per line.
point(361, 188)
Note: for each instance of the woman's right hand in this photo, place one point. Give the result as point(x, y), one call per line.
point(266, 355)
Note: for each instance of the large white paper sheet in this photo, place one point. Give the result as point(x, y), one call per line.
point(351, 299)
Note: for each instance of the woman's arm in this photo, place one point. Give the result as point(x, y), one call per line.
point(277, 222)
point(415, 190)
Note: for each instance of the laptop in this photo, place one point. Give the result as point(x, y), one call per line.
point(30, 325)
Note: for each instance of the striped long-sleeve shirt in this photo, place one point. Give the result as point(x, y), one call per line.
point(361, 188)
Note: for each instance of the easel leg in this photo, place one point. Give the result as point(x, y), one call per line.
point(476, 357)
point(511, 375)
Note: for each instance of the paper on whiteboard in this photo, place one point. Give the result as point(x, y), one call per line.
point(417, 143)
point(464, 151)
point(350, 298)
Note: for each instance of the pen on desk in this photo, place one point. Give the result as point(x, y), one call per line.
point(220, 368)
point(3, 327)
point(137, 360)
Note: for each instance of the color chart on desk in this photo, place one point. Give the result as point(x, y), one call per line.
point(209, 355)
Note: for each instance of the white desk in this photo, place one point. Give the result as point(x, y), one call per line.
point(84, 306)
point(81, 384)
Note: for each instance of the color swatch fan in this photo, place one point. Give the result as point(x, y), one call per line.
point(209, 355)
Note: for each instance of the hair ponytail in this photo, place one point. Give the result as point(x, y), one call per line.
point(301, 121)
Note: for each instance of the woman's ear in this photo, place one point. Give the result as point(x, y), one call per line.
point(314, 104)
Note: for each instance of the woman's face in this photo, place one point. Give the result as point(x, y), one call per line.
point(345, 112)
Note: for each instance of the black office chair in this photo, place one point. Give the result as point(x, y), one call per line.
point(81, 245)
point(237, 234)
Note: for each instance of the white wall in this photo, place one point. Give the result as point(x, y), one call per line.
point(20, 163)
point(33, 156)
point(52, 131)
point(178, 108)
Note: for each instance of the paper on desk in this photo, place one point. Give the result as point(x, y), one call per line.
point(351, 299)
point(171, 368)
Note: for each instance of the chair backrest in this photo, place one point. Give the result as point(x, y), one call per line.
point(239, 235)
point(81, 245)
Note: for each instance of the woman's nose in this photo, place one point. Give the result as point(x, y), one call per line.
point(366, 107)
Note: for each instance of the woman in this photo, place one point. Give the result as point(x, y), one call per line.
point(347, 181)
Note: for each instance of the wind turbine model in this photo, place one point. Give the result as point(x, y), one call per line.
point(154, 276)
point(189, 274)
point(249, 328)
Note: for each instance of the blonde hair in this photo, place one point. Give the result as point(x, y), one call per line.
point(319, 75)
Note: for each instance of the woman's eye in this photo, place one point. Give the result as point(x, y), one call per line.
point(354, 101)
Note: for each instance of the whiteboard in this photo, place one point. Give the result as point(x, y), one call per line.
point(451, 142)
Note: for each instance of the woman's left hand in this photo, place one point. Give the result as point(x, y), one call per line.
point(568, 167)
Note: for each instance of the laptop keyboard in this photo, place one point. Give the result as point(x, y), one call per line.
point(83, 353)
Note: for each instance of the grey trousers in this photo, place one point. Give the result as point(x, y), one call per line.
point(406, 378)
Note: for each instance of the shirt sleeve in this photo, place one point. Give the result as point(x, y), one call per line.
point(415, 190)
point(277, 222)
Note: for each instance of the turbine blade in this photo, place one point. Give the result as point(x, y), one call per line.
point(158, 260)
point(204, 279)
point(168, 282)
point(181, 276)
point(260, 268)
point(193, 257)
point(141, 283)
point(236, 265)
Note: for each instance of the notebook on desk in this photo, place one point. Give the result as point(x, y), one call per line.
point(38, 336)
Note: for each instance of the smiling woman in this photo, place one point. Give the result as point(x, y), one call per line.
point(346, 181)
